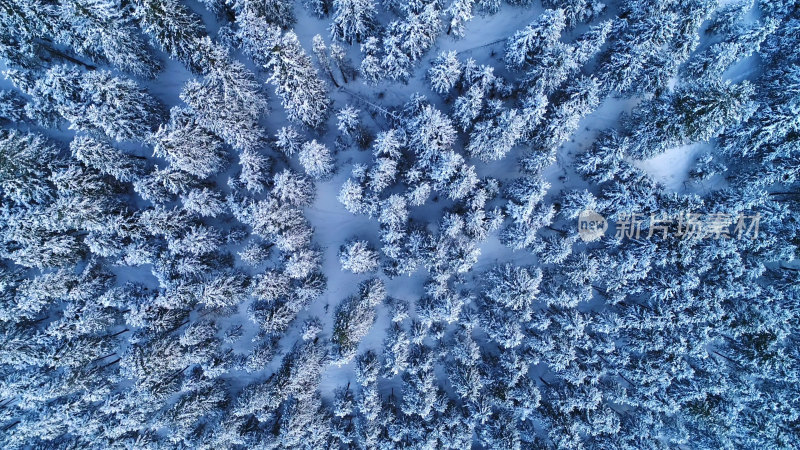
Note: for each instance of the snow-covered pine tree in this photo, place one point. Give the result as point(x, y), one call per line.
point(174, 28)
point(27, 31)
point(95, 101)
point(459, 13)
point(303, 94)
point(324, 60)
point(317, 160)
point(162, 185)
point(354, 317)
point(319, 8)
point(445, 72)
point(255, 170)
point(24, 171)
point(293, 188)
point(694, 112)
point(577, 11)
point(405, 41)
point(431, 134)
point(100, 155)
point(580, 99)
point(589, 43)
point(277, 12)
point(188, 146)
point(204, 202)
point(358, 256)
point(353, 20)
point(12, 107)
point(573, 202)
point(229, 102)
point(534, 38)
point(343, 62)
point(102, 31)
point(371, 68)
point(288, 140)
point(493, 137)
point(554, 65)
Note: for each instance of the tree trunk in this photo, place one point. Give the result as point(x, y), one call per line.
point(333, 79)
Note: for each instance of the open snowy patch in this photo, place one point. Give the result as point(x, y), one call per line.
point(671, 168)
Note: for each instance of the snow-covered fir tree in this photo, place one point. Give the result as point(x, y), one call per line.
point(317, 160)
point(353, 20)
point(93, 101)
point(358, 257)
point(303, 94)
point(445, 73)
point(188, 146)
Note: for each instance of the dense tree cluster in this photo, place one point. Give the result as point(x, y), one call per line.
point(164, 275)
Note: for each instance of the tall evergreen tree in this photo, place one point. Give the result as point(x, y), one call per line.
point(95, 101)
point(174, 28)
point(229, 103)
point(353, 20)
point(303, 94)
